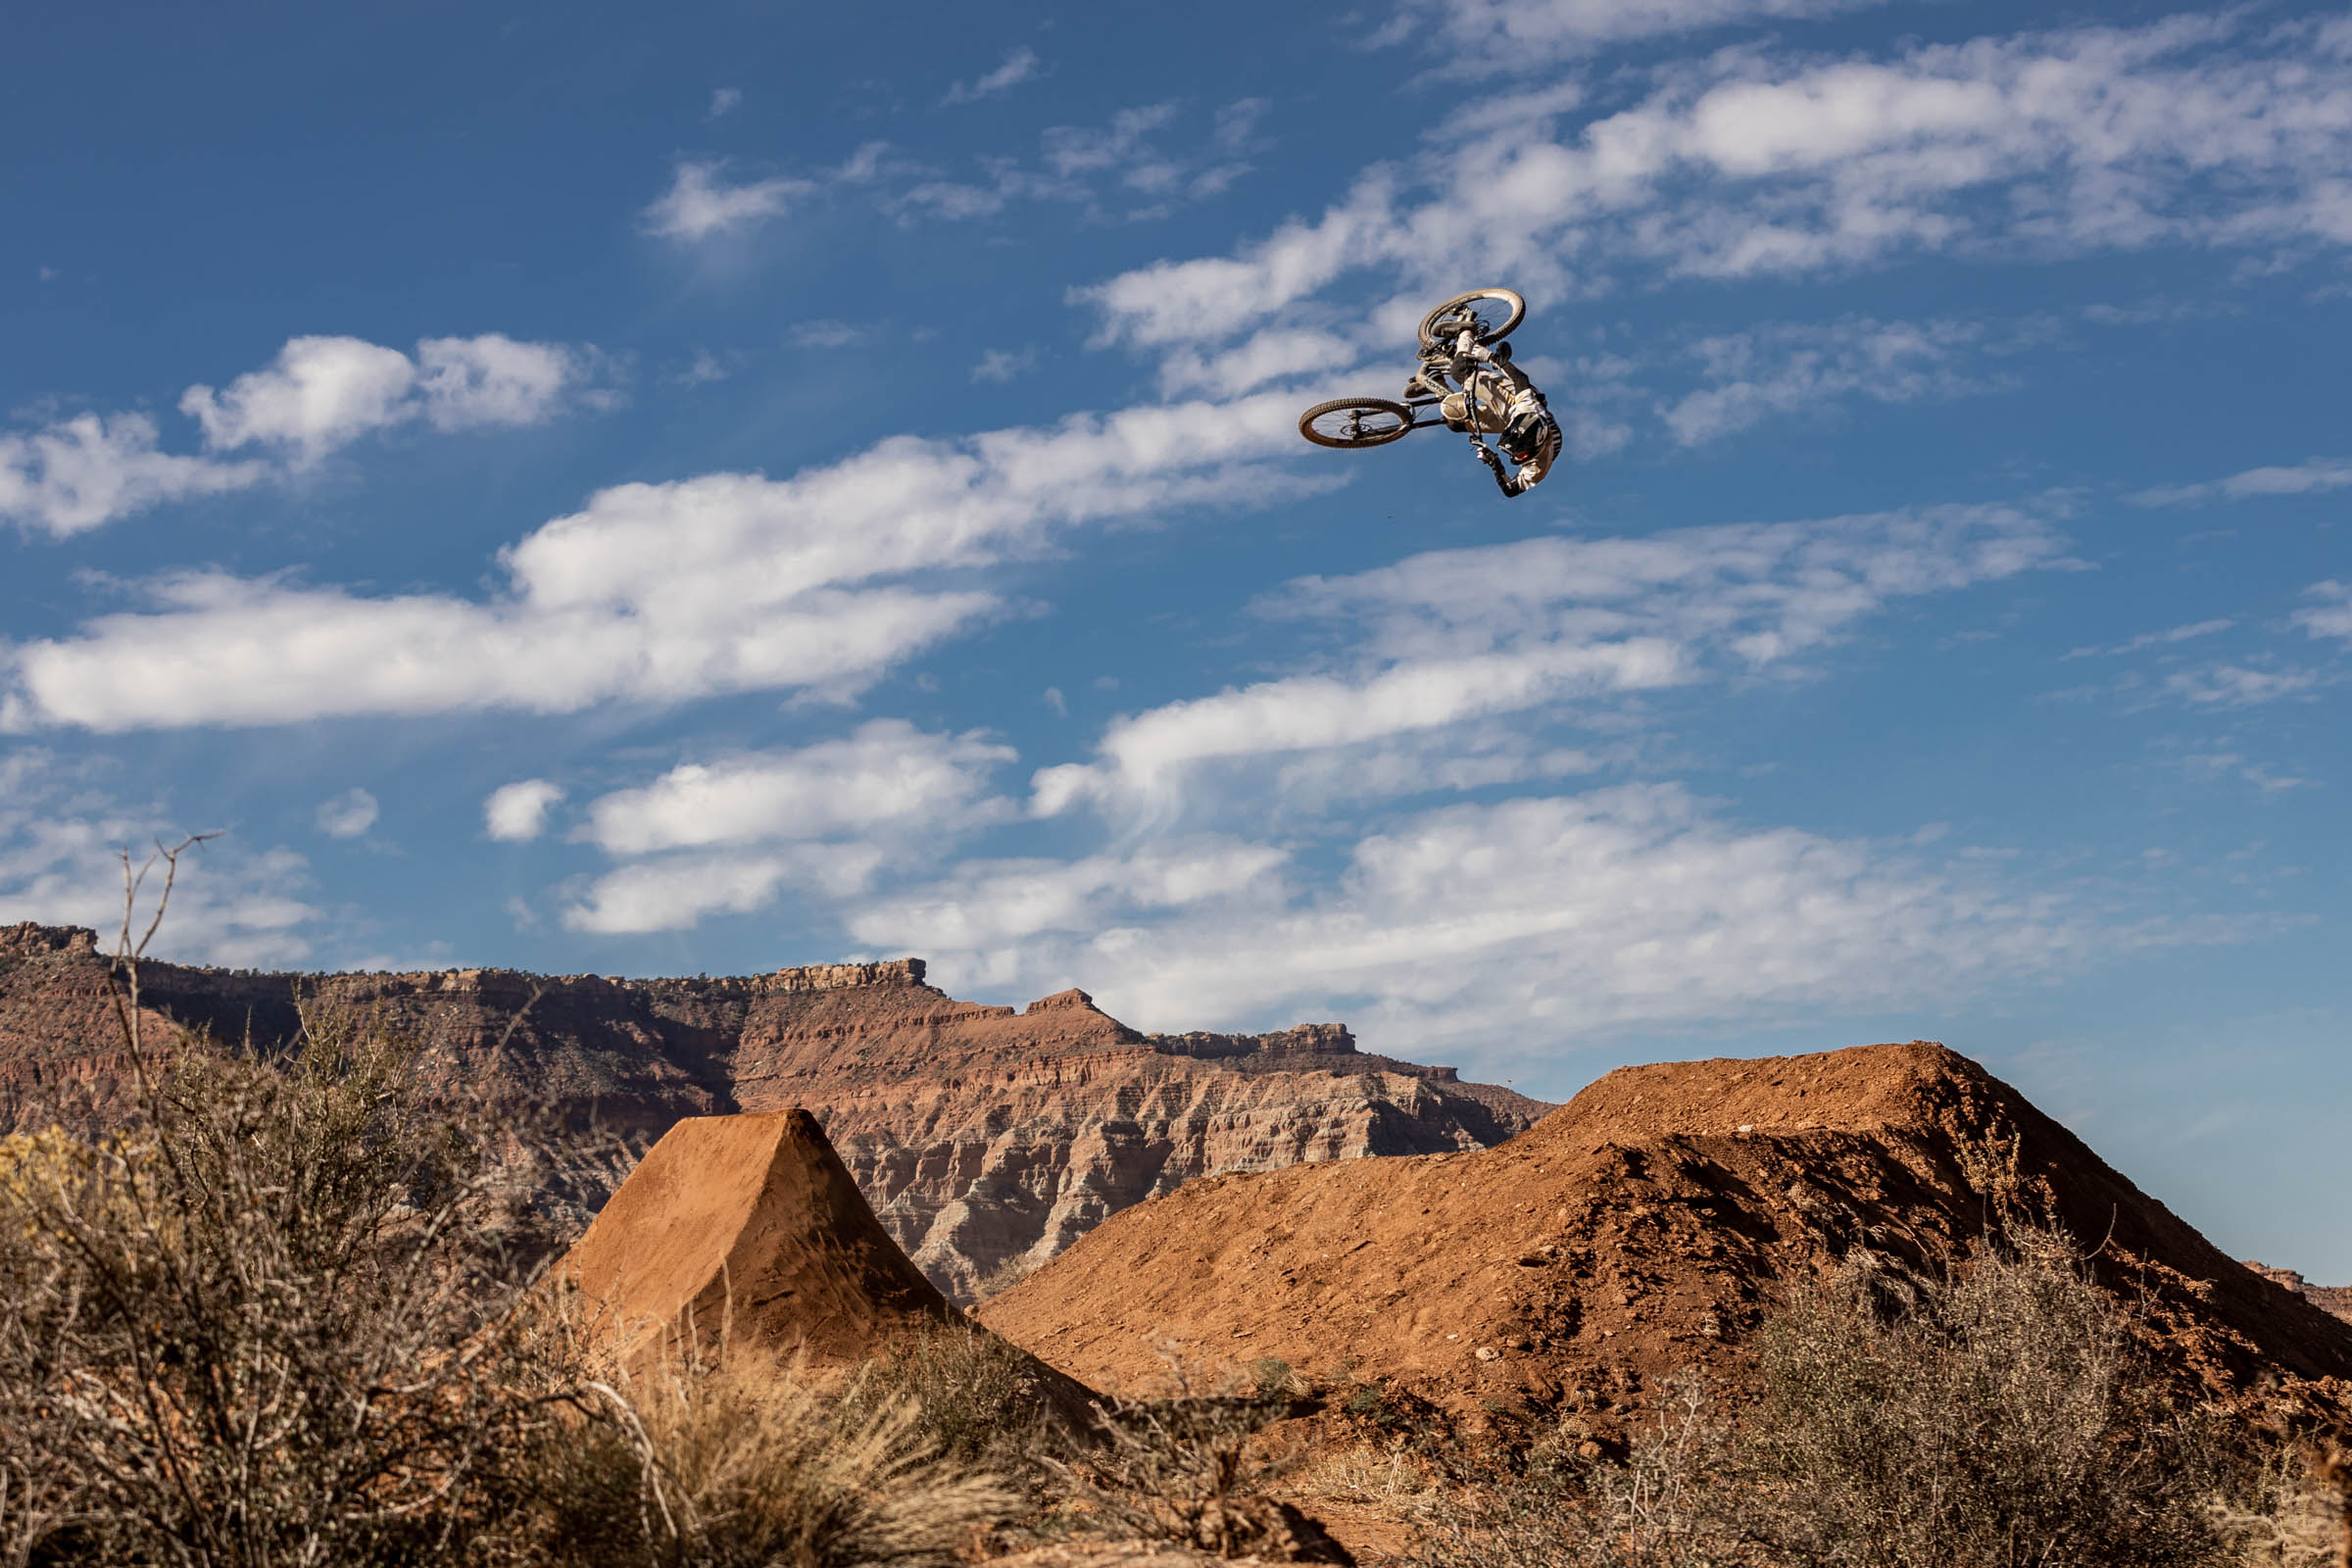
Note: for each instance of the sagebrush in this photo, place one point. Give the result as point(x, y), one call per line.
point(1995, 1414)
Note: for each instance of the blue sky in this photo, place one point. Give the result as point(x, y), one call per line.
point(585, 490)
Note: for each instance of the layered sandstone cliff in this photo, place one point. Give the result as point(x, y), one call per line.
point(986, 1139)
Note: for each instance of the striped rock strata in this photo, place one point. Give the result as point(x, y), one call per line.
point(987, 1139)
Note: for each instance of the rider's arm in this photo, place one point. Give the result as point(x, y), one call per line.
point(1493, 460)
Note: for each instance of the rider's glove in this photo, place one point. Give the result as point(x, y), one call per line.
point(1503, 481)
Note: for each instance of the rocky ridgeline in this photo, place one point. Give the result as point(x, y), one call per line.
point(988, 1139)
point(2336, 1298)
point(1649, 1226)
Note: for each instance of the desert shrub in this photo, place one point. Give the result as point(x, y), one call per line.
point(269, 1318)
point(1992, 1416)
point(1272, 1378)
point(1997, 1416)
point(1670, 1502)
point(1194, 1468)
point(744, 1460)
point(975, 1398)
point(2296, 1514)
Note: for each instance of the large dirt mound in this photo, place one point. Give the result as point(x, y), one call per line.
point(749, 1228)
point(1645, 1226)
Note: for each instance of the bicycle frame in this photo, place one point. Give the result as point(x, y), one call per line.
point(1435, 365)
point(1450, 364)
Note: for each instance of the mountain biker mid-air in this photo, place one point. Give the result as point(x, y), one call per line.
point(1507, 404)
point(1467, 377)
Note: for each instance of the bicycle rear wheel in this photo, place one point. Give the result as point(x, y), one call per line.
point(1355, 422)
point(1467, 305)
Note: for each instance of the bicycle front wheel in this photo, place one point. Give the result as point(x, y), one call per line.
point(1355, 422)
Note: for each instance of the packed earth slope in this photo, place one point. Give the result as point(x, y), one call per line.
point(1645, 1226)
point(987, 1139)
point(747, 1232)
point(747, 1229)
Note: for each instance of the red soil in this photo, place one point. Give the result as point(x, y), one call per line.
point(1645, 1226)
point(748, 1229)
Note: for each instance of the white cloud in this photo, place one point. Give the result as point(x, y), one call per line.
point(1461, 635)
point(516, 812)
point(826, 818)
point(323, 393)
point(2174, 634)
point(1004, 365)
point(63, 831)
point(2331, 616)
point(1121, 170)
point(676, 892)
point(1086, 150)
point(2240, 685)
point(1020, 65)
point(1144, 755)
point(349, 815)
point(1788, 369)
point(725, 101)
point(660, 593)
point(2157, 639)
point(994, 902)
point(1276, 354)
point(320, 394)
point(464, 382)
point(2216, 765)
point(700, 204)
point(1518, 36)
point(703, 369)
point(2196, 132)
point(1533, 922)
point(2318, 475)
point(1237, 123)
point(78, 473)
point(888, 773)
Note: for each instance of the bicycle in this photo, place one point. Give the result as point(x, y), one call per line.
point(1367, 421)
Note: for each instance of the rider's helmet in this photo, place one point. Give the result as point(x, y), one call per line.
point(1522, 436)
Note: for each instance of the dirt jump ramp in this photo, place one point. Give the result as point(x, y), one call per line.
point(1650, 1224)
point(748, 1230)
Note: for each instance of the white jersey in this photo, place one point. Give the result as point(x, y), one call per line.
point(1504, 394)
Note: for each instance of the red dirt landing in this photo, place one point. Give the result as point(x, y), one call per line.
point(1647, 1225)
point(748, 1228)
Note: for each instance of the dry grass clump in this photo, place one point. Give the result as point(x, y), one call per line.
point(746, 1461)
